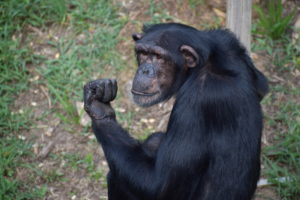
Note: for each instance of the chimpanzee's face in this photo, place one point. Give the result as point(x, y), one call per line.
point(154, 77)
point(157, 71)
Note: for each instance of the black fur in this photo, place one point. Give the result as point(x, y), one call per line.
point(211, 149)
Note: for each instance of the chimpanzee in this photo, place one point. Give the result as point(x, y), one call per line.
point(211, 148)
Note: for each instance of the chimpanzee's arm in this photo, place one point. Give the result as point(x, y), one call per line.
point(125, 155)
point(149, 146)
point(131, 161)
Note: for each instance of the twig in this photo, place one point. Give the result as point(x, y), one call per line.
point(34, 29)
point(48, 148)
point(47, 96)
point(264, 182)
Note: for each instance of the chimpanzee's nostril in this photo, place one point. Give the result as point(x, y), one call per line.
point(147, 70)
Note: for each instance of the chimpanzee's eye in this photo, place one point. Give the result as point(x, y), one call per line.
point(143, 53)
point(142, 56)
point(158, 56)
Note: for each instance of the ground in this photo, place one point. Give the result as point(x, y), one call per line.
point(67, 158)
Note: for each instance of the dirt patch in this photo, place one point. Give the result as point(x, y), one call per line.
point(266, 193)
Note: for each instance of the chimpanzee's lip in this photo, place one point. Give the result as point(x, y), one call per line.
point(143, 93)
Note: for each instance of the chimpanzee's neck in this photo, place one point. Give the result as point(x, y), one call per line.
point(210, 97)
point(204, 103)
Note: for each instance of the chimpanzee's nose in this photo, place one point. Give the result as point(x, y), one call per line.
point(147, 70)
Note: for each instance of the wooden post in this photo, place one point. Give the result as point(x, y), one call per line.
point(238, 20)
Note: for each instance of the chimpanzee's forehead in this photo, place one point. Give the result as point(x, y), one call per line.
point(167, 39)
point(152, 38)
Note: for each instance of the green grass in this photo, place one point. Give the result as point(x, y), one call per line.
point(11, 151)
point(15, 14)
point(194, 3)
point(13, 79)
point(283, 158)
point(284, 53)
point(272, 21)
point(76, 161)
point(75, 62)
point(64, 76)
point(84, 14)
point(157, 13)
point(94, 172)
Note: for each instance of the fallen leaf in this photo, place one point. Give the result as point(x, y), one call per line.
point(219, 13)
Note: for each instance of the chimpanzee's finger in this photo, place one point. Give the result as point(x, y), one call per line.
point(100, 90)
point(114, 88)
point(88, 96)
point(107, 91)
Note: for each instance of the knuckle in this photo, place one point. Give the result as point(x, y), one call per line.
point(100, 81)
point(86, 108)
point(86, 86)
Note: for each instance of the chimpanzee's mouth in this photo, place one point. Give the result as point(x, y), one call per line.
point(143, 93)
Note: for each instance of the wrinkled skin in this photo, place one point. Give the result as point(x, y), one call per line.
point(97, 97)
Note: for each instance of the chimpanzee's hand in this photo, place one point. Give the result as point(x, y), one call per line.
point(97, 95)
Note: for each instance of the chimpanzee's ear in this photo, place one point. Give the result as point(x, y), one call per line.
point(260, 81)
point(191, 57)
point(136, 36)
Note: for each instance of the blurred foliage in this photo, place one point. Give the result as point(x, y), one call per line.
point(272, 21)
point(14, 14)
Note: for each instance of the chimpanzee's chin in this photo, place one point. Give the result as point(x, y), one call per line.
point(146, 101)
